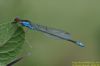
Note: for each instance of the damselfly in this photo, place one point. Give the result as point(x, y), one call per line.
point(50, 31)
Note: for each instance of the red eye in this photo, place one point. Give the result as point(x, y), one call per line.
point(17, 20)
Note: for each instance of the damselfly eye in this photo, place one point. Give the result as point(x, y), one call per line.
point(16, 19)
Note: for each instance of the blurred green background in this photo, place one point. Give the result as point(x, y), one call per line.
point(81, 18)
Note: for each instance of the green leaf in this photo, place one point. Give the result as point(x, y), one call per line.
point(12, 38)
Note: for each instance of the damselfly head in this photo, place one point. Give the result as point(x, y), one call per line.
point(17, 19)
